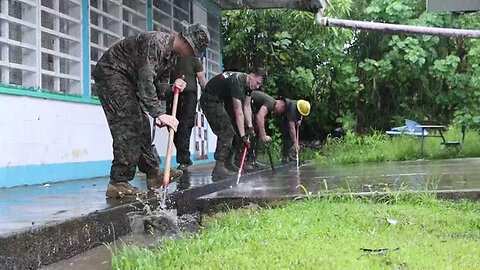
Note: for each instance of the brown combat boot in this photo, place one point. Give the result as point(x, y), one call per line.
point(248, 166)
point(230, 166)
point(184, 166)
point(122, 189)
point(154, 183)
point(219, 171)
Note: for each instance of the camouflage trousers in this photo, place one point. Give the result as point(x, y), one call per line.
point(219, 121)
point(186, 109)
point(129, 126)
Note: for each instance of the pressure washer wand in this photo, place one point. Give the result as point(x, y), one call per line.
point(244, 153)
point(298, 144)
point(270, 156)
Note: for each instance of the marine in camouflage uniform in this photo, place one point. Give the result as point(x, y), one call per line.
point(228, 87)
point(192, 68)
point(130, 79)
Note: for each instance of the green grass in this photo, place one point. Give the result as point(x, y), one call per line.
point(325, 234)
point(379, 147)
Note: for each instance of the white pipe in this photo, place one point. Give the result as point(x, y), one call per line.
point(397, 28)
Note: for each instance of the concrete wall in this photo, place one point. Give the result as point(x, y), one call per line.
point(40, 131)
point(44, 140)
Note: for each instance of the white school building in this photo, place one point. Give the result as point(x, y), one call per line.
point(52, 126)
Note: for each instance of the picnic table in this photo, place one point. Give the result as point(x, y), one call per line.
point(433, 128)
point(423, 131)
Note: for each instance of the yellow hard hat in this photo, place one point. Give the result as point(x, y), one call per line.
point(303, 107)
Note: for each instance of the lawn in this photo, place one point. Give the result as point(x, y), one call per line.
point(378, 147)
point(327, 233)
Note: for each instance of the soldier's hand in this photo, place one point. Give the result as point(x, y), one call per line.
point(296, 146)
point(169, 120)
point(267, 139)
point(158, 122)
point(180, 83)
point(246, 141)
point(251, 132)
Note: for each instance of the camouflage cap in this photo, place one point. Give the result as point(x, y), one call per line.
point(197, 36)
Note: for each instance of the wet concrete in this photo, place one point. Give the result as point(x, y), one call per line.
point(42, 225)
point(455, 178)
point(100, 257)
point(97, 258)
point(30, 207)
point(73, 217)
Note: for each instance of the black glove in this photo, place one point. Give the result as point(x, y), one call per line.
point(246, 141)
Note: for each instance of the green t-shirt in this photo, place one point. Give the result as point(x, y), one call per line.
point(292, 113)
point(188, 66)
point(260, 99)
point(228, 85)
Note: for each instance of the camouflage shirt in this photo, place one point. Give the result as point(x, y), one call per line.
point(146, 60)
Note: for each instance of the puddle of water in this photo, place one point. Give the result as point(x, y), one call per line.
point(149, 228)
point(459, 174)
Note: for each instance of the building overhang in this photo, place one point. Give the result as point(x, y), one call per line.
point(306, 5)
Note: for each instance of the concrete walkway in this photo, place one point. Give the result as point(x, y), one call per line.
point(41, 225)
point(460, 176)
point(29, 207)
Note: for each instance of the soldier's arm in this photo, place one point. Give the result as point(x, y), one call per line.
point(239, 117)
point(198, 67)
point(146, 88)
point(201, 79)
point(247, 110)
point(293, 133)
point(164, 88)
point(260, 119)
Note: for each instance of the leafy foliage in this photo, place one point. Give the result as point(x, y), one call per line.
point(361, 80)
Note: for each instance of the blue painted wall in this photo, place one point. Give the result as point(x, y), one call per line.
point(47, 173)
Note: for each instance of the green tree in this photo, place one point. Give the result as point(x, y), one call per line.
point(361, 80)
